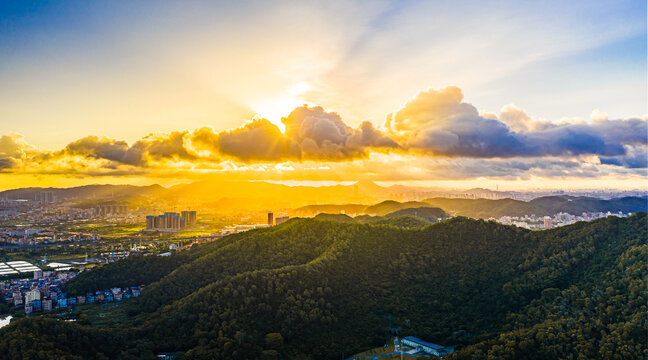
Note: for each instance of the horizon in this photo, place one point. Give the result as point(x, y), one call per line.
point(384, 184)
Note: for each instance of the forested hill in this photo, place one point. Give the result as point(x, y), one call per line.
point(311, 289)
point(408, 217)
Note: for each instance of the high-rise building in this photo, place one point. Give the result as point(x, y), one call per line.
point(170, 221)
point(32, 295)
point(270, 218)
point(547, 222)
point(45, 197)
point(190, 217)
point(150, 222)
point(281, 219)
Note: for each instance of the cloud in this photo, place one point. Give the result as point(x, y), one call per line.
point(438, 133)
point(173, 146)
point(257, 140)
point(104, 148)
point(311, 134)
point(518, 120)
point(440, 123)
point(154, 147)
point(635, 158)
point(314, 133)
point(14, 151)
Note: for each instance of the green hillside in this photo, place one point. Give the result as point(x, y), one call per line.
point(390, 206)
point(311, 289)
point(429, 214)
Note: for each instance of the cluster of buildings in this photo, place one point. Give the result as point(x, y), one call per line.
point(42, 213)
point(45, 197)
point(111, 209)
point(27, 236)
point(170, 221)
point(44, 292)
point(561, 219)
point(272, 221)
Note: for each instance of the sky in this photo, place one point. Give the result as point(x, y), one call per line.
point(527, 94)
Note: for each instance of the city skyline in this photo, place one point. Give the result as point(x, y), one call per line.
point(545, 95)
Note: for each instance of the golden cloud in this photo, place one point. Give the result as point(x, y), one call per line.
point(435, 122)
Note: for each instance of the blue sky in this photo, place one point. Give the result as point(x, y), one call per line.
point(554, 59)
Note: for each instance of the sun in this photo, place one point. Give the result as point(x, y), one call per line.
point(274, 109)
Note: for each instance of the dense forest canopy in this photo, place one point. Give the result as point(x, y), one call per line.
point(318, 289)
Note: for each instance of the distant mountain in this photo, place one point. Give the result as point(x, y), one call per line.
point(257, 195)
point(369, 188)
point(543, 206)
point(87, 192)
point(310, 289)
point(484, 208)
point(237, 195)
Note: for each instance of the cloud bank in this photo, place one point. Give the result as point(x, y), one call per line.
point(440, 123)
point(436, 128)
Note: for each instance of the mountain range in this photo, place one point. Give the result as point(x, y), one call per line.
point(485, 208)
point(363, 197)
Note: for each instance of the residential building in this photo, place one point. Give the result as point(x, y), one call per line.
point(547, 222)
point(32, 295)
